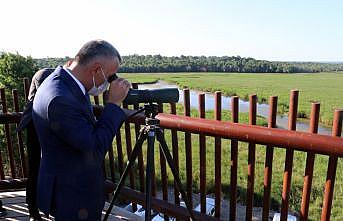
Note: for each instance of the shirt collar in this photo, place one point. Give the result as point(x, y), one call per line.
point(77, 81)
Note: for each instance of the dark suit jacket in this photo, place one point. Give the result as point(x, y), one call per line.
point(71, 179)
point(36, 81)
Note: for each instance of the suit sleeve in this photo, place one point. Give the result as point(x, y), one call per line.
point(26, 117)
point(71, 125)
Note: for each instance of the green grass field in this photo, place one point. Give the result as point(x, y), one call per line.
point(325, 87)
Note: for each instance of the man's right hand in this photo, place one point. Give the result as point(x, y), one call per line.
point(118, 91)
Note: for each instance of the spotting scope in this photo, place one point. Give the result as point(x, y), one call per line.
point(163, 95)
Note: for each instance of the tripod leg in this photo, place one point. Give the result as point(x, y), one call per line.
point(137, 148)
point(166, 153)
point(149, 172)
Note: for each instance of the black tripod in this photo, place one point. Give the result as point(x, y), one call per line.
point(149, 131)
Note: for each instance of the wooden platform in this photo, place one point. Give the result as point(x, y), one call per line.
point(14, 203)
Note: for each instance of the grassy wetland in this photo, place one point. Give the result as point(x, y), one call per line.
point(325, 88)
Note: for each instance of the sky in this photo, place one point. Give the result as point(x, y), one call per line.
point(278, 30)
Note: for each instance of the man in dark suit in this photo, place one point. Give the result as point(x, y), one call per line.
point(71, 177)
point(32, 142)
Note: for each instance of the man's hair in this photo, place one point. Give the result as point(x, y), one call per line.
point(96, 48)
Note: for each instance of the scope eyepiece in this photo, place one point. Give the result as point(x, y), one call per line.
point(111, 78)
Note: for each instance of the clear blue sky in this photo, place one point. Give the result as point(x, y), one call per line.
point(286, 30)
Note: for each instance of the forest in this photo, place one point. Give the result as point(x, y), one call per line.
point(158, 63)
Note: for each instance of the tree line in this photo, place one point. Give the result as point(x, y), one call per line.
point(13, 67)
point(157, 63)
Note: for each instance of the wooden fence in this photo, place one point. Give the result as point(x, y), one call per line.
point(13, 169)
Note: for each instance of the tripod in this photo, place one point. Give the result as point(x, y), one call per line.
point(149, 132)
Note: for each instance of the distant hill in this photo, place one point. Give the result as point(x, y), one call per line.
point(158, 63)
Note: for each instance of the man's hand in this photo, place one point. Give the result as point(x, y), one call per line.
point(118, 91)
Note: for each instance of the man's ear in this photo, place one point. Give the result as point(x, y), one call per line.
point(95, 68)
point(68, 63)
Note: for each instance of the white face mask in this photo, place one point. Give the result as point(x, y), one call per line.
point(95, 91)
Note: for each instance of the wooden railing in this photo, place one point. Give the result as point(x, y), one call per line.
point(13, 169)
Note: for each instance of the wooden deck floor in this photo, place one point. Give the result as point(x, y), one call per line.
point(14, 203)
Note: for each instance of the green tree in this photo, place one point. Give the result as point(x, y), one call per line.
point(13, 68)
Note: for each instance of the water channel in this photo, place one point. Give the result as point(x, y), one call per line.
point(262, 109)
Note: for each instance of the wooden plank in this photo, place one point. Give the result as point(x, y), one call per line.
point(14, 203)
point(287, 176)
point(118, 213)
point(19, 136)
point(175, 147)
point(163, 206)
point(13, 200)
point(188, 146)
point(218, 156)
point(234, 162)
point(128, 152)
point(251, 160)
point(202, 153)
point(140, 155)
point(10, 118)
point(268, 165)
point(305, 199)
point(120, 152)
point(163, 168)
point(332, 167)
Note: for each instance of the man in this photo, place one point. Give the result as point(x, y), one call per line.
point(71, 178)
point(33, 146)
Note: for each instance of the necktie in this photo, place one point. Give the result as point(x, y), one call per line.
point(89, 103)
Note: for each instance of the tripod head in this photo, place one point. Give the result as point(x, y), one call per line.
point(150, 110)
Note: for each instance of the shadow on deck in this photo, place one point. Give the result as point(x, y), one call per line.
point(14, 203)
